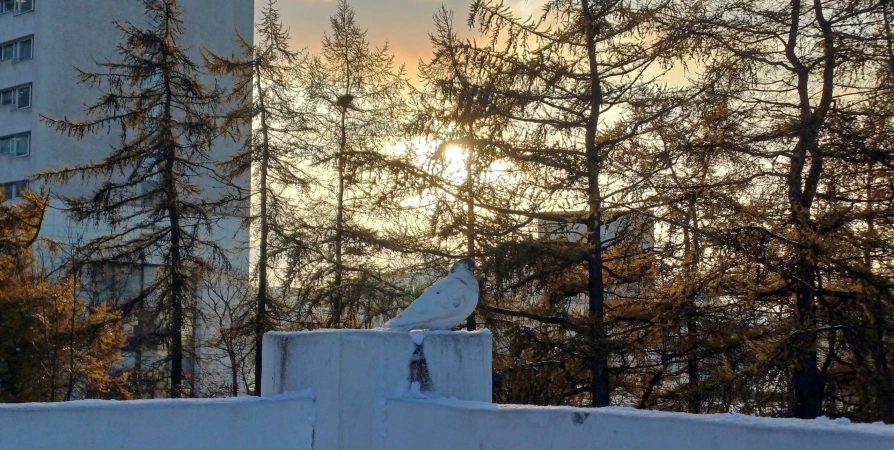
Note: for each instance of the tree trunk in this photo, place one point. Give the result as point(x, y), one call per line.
point(692, 251)
point(801, 192)
point(337, 298)
point(470, 221)
point(71, 339)
point(234, 376)
point(599, 383)
point(178, 281)
point(261, 319)
point(807, 384)
point(177, 288)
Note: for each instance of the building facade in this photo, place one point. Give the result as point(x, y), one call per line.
point(43, 43)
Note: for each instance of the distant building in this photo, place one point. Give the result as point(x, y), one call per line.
point(41, 43)
point(568, 226)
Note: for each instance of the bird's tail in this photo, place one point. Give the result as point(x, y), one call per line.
point(396, 325)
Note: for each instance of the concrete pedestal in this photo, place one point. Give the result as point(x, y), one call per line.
point(352, 372)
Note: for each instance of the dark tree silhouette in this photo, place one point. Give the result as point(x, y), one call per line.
point(158, 190)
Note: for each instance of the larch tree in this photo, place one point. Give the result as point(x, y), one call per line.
point(785, 69)
point(464, 169)
point(697, 207)
point(856, 294)
point(356, 98)
point(54, 344)
point(267, 98)
point(158, 190)
point(580, 85)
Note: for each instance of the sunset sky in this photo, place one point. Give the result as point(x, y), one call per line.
point(404, 24)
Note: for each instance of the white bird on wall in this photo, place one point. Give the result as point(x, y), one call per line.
point(444, 305)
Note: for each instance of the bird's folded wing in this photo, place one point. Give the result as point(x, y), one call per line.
point(438, 302)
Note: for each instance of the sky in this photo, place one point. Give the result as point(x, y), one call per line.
point(404, 24)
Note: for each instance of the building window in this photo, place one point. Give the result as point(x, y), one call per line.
point(16, 145)
point(23, 97)
point(23, 6)
point(18, 97)
point(7, 51)
point(7, 6)
point(13, 190)
point(24, 49)
point(18, 50)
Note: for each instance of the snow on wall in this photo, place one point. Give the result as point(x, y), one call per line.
point(373, 389)
point(280, 422)
point(454, 424)
point(353, 372)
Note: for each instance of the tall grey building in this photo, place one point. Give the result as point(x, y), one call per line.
point(42, 44)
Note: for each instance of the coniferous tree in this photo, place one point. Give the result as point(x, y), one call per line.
point(465, 168)
point(267, 99)
point(696, 268)
point(157, 191)
point(558, 79)
point(54, 344)
point(782, 97)
point(854, 274)
point(355, 95)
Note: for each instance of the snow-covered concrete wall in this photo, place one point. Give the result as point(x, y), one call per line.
point(453, 424)
point(380, 390)
point(353, 372)
point(279, 422)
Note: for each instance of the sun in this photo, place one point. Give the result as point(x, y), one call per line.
point(454, 154)
point(454, 158)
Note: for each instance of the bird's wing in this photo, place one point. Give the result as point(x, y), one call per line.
point(438, 302)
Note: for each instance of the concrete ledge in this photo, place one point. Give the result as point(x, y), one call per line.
point(352, 372)
point(454, 424)
point(281, 422)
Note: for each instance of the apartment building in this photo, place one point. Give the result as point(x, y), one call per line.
point(42, 44)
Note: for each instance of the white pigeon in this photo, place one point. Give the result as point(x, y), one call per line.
point(444, 305)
